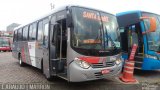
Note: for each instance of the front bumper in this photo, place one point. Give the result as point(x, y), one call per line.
point(5, 48)
point(78, 74)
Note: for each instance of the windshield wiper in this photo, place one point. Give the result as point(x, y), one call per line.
point(109, 38)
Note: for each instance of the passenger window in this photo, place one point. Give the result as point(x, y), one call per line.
point(40, 31)
point(25, 33)
point(15, 36)
point(20, 35)
point(55, 29)
point(46, 29)
point(32, 32)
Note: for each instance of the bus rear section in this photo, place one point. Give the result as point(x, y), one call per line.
point(141, 28)
point(75, 43)
point(5, 44)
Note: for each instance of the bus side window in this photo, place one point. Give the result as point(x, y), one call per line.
point(32, 31)
point(40, 32)
point(18, 34)
point(53, 23)
point(55, 29)
point(15, 36)
point(19, 37)
point(25, 33)
point(46, 29)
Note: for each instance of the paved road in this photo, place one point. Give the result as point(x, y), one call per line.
point(11, 72)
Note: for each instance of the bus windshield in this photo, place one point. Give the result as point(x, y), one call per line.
point(153, 37)
point(3, 42)
point(94, 30)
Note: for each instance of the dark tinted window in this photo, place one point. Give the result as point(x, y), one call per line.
point(15, 36)
point(153, 37)
point(20, 35)
point(40, 31)
point(25, 33)
point(46, 29)
point(128, 19)
point(32, 31)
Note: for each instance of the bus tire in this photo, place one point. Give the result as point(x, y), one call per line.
point(42, 66)
point(21, 63)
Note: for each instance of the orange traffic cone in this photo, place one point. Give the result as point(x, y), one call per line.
point(127, 75)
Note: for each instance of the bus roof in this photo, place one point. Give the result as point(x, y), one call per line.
point(127, 12)
point(134, 11)
point(54, 11)
point(129, 17)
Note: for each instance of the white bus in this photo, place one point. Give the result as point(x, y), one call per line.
point(75, 43)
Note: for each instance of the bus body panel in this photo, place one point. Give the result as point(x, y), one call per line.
point(32, 53)
point(150, 64)
point(14, 50)
point(38, 54)
point(78, 74)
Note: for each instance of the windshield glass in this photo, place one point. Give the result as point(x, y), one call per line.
point(111, 34)
point(94, 30)
point(153, 37)
point(3, 42)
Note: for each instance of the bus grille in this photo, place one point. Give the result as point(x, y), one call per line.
point(97, 65)
point(98, 75)
point(110, 64)
point(101, 65)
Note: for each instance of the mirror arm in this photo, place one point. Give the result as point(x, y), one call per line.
point(144, 18)
point(145, 32)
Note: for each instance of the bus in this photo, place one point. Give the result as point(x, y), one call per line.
point(5, 44)
point(142, 28)
point(75, 43)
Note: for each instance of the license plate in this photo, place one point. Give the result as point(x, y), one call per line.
point(105, 71)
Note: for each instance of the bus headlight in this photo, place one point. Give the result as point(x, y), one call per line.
point(82, 63)
point(118, 61)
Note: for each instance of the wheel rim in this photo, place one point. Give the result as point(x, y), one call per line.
point(20, 61)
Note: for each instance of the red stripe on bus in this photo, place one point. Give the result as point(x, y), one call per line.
point(90, 59)
point(29, 58)
point(23, 55)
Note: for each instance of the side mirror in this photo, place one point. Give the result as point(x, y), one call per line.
point(152, 22)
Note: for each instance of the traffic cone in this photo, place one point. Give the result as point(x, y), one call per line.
point(127, 75)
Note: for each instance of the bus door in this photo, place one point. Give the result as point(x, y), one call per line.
point(15, 45)
point(135, 37)
point(59, 48)
point(45, 64)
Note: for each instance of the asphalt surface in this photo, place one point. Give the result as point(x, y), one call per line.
point(12, 73)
